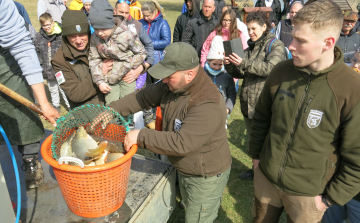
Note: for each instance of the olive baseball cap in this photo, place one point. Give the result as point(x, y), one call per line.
point(178, 56)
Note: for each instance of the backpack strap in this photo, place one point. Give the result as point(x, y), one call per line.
point(268, 48)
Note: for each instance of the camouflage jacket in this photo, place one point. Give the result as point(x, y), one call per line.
point(124, 47)
point(254, 69)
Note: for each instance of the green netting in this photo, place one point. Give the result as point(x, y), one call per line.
point(86, 116)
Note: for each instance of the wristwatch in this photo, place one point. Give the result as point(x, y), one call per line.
point(325, 201)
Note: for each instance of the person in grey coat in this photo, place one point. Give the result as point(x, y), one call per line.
point(349, 40)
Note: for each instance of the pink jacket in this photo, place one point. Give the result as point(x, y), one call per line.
point(206, 46)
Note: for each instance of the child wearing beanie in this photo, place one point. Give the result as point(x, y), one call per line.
point(214, 67)
point(112, 40)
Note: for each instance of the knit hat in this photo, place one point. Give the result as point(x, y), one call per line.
point(216, 51)
point(74, 22)
point(86, 1)
point(101, 15)
point(352, 16)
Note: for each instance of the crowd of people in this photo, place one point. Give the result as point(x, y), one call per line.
point(300, 114)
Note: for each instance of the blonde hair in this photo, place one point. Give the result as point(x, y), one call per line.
point(321, 15)
point(152, 6)
point(45, 17)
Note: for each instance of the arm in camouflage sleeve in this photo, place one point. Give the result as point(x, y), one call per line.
point(95, 64)
point(139, 52)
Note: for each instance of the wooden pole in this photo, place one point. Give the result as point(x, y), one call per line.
point(20, 99)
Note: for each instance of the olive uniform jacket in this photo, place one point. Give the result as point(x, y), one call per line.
point(306, 128)
point(78, 85)
point(194, 135)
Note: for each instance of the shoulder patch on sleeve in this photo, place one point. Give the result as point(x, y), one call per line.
point(60, 77)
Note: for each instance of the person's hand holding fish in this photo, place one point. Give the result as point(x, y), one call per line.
point(131, 139)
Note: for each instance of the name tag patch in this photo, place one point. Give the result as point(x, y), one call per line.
point(177, 125)
point(60, 77)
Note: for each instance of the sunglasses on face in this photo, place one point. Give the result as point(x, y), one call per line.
point(122, 1)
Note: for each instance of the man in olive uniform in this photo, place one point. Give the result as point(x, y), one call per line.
point(20, 71)
point(193, 135)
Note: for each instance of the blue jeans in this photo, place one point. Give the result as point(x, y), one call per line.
point(338, 214)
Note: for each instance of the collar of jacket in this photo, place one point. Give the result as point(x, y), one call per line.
point(352, 31)
point(202, 19)
point(49, 38)
point(195, 84)
point(157, 17)
point(339, 58)
point(288, 23)
point(71, 53)
point(253, 43)
point(84, 10)
point(121, 23)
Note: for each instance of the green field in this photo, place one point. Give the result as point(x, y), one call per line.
point(238, 195)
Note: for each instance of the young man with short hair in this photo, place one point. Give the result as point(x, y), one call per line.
point(304, 136)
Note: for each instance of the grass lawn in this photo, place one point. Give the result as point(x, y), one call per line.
point(238, 195)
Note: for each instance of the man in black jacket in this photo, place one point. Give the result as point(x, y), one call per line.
point(349, 40)
point(275, 15)
point(184, 18)
point(198, 29)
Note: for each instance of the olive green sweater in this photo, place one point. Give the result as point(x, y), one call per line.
point(306, 129)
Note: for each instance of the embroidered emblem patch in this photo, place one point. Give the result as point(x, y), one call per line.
point(314, 118)
point(60, 77)
point(177, 125)
point(78, 28)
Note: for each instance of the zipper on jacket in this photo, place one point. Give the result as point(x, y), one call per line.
point(305, 110)
point(284, 158)
point(307, 105)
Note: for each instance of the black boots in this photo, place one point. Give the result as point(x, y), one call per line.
point(34, 175)
point(248, 175)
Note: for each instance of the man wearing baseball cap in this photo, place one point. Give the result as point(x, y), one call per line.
point(193, 132)
point(349, 40)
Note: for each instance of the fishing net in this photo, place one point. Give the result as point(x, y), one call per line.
point(97, 120)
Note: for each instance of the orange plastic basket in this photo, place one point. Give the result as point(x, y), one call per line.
point(94, 191)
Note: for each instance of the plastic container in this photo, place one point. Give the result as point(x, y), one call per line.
point(94, 191)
